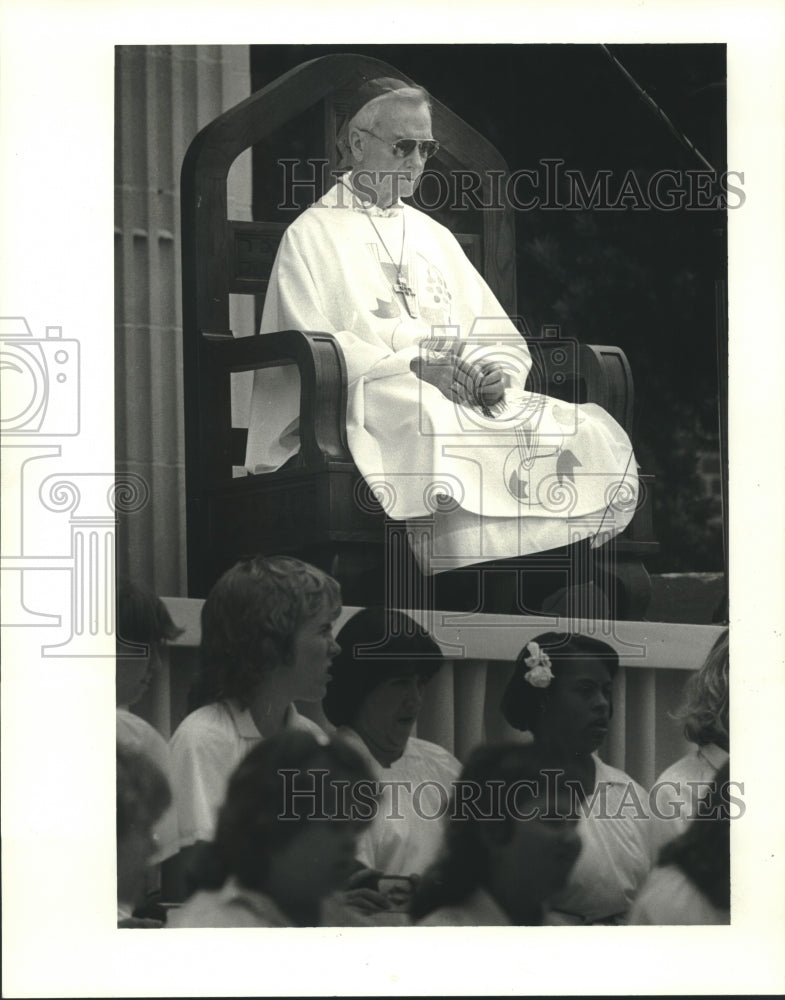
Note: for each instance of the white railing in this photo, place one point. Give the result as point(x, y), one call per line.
point(461, 706)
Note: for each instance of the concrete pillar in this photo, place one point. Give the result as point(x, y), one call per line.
point(164, 95)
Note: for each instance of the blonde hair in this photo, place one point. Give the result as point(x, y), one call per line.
point(705, 706)
point(250, 618)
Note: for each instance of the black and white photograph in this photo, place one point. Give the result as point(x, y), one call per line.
point(397, 506)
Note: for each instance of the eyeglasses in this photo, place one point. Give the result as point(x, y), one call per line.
point(405, 147)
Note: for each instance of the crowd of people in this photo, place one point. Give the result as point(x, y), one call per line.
point(253, 815)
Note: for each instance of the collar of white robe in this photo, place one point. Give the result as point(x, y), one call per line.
point(401, 284)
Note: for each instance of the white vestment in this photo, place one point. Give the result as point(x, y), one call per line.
point(540, 475)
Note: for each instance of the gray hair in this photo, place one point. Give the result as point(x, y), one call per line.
point(370, 114)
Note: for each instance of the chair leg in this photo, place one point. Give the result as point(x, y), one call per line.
point(379, 575)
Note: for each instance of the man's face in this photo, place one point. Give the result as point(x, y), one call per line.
point(377, 166)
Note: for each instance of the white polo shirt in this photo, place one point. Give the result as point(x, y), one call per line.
point(406, 835)
point(205, 749)
point(614, 862)
point(678, 789)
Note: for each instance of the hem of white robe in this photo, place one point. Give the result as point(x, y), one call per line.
point(460, 538)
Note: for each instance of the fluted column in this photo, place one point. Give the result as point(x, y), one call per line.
point(164, 95)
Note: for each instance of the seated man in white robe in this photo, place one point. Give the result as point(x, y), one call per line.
point(439, 421)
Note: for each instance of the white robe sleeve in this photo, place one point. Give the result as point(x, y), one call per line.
point(489, 333)
point(294, 302)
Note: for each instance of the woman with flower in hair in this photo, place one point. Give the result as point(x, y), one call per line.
point(561, 692)
point(678, 789)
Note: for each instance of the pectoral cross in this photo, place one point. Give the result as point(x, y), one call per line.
point(409, 296)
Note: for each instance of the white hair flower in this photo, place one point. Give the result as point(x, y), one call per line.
point(539, 674)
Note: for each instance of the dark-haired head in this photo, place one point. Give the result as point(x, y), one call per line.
point(143, 626)
point(250, 620)
point(573, 707)
point(505, 834)
point(142, 797)
point(284, 827)
point(142, 617)
point(142, 791)
point(376, 644)
point(377, 679)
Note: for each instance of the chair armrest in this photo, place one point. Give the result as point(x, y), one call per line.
point(323, 394)
point(323, 386)
point(608, 378)
point(589, 373)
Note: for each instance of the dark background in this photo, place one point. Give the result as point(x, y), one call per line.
point(643, 280)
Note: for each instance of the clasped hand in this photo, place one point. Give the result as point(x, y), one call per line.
point(473, 383)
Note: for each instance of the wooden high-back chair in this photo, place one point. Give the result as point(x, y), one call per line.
point(317, 507)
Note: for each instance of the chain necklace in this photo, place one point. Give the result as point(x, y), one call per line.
point(401, 285)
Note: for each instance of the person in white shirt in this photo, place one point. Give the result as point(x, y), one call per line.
point(272, 864)
point(676, 793)
point(508, 847)
point(439, 420)
point(374, 698)
point(691, 883)
point(143, 795)
point(144, 627)
point(562, 693)
point(266, 642)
